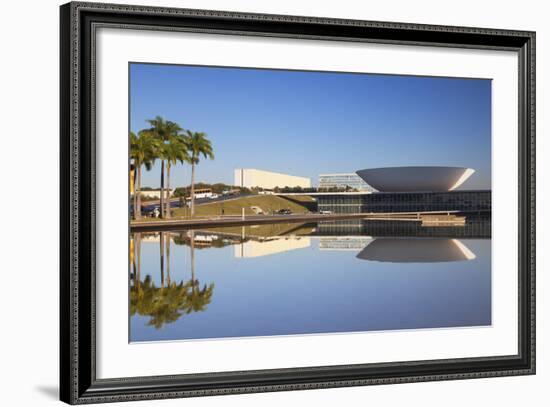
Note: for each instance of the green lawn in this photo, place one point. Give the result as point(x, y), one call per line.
point(268, 204)
point(301, 198)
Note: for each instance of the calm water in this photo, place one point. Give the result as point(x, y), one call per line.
point(300, 279)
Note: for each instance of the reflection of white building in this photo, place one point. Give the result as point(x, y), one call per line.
point(150, 238)
point(250, 177)
point(155, 237)
point(205, 238)
point(255, 248)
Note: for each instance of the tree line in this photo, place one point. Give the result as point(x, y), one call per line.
point(168, 142)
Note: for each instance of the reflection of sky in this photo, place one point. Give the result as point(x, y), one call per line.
point(313, 291)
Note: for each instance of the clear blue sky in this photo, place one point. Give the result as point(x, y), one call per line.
point(306, 123)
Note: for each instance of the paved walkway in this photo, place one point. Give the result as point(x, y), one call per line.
point(235, 220)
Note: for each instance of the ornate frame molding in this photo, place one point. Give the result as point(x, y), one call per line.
point(77, 173)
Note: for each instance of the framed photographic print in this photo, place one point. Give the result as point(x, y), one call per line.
point(255, 203)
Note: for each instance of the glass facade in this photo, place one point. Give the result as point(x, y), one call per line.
point(343, 181)
point(463, 201)
point(476, 227)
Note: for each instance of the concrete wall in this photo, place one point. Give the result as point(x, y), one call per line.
point(250, 177)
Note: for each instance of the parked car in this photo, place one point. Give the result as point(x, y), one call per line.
point(151, 211)
point(284, 212)
point(325, 212)
point(257, 210)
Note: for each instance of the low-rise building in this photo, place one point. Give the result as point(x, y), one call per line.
point(253, 178)
point(155, 193)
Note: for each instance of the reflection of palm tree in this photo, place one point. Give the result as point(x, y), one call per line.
point(197, 144)
point(167, 303)
point(163, 305)
point(161, 247)
point(192, 246)
point(168, 241)
point(137, 260)
point(199, 299)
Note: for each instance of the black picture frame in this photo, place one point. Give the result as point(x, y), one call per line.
point(78, 382)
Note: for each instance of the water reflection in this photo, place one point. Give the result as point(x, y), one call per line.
point(167, 303)
point(279, 279)
point(416, 250)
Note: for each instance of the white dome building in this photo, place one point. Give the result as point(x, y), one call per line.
point(415, 179)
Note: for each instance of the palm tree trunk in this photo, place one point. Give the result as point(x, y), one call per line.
point(133, 181)
point(137, 193)
point(161, 259)
point(162, 190)
point(168, 214)
point(192, 189)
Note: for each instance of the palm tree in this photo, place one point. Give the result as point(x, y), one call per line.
point(197, 144)
point(173, 151)
point(143, 150)
point(162, 130)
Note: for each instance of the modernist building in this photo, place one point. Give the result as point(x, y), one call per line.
point(463, 201)
point(414, 179)
point(410, 189)
point(343, 181)
point(250, 178)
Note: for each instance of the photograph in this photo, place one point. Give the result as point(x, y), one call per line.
point(258, 201)
point(271, 202)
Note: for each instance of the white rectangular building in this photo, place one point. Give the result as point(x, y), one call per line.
point(155, 193)
point(250, 178)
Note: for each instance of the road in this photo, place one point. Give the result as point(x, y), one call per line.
point(157, 225)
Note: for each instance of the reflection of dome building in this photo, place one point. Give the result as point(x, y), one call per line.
point(407, 179)
point(403, 250)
